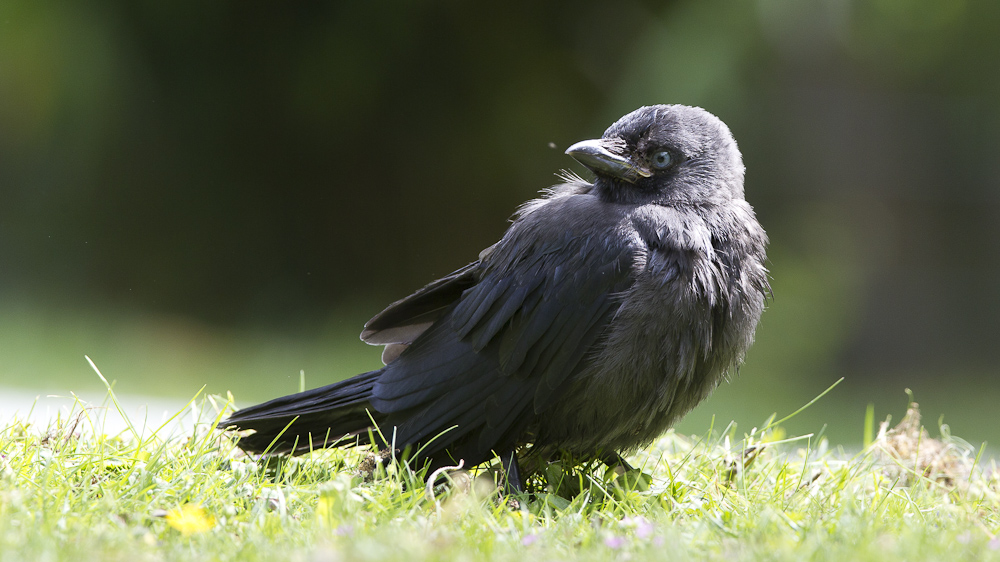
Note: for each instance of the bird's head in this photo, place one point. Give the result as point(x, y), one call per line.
point(666, 154)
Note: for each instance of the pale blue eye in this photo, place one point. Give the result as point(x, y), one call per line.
point(662, 160)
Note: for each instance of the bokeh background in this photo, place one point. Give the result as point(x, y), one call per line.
point(221, 193)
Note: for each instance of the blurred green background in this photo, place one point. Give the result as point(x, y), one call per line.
point(222, 193)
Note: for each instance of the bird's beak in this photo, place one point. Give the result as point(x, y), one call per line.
point(602, 157)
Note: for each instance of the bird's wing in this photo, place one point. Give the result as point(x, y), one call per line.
point(395, 323)
point(404, 320)
point(500, 355)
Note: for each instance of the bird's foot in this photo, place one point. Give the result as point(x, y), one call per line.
point(511, 474)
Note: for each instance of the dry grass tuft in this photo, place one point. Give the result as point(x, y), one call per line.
point(907, 453)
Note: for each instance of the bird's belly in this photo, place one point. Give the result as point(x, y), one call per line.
point(655, 364)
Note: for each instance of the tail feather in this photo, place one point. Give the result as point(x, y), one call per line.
point(317, 418)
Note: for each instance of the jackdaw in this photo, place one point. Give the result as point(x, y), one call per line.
point(606, 311)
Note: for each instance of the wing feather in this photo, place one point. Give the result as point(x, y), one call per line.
point(501, 351)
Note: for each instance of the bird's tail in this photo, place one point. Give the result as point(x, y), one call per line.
point(298, 423)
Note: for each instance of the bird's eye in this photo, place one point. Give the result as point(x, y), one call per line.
point(662, 160)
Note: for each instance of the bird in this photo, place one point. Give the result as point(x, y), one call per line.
point(608, 309)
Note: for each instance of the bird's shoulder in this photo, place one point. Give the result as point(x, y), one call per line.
point(567, 228)
point(588, 220)
point(556, 262)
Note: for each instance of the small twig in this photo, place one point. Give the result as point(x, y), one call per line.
point(434, 475)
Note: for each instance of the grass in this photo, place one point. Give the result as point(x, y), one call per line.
point(70, 492)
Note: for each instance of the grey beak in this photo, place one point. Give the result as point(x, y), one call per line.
point(600, 156)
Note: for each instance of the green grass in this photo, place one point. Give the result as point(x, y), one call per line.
point(69, 492)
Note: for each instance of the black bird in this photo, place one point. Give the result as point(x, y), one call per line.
point(607, 311)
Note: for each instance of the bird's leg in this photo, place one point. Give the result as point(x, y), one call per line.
point(511, 473)
point(615, 462)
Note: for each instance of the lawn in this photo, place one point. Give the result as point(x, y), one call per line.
point(185, 491)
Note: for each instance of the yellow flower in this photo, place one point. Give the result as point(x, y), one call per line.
point(190, 519)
